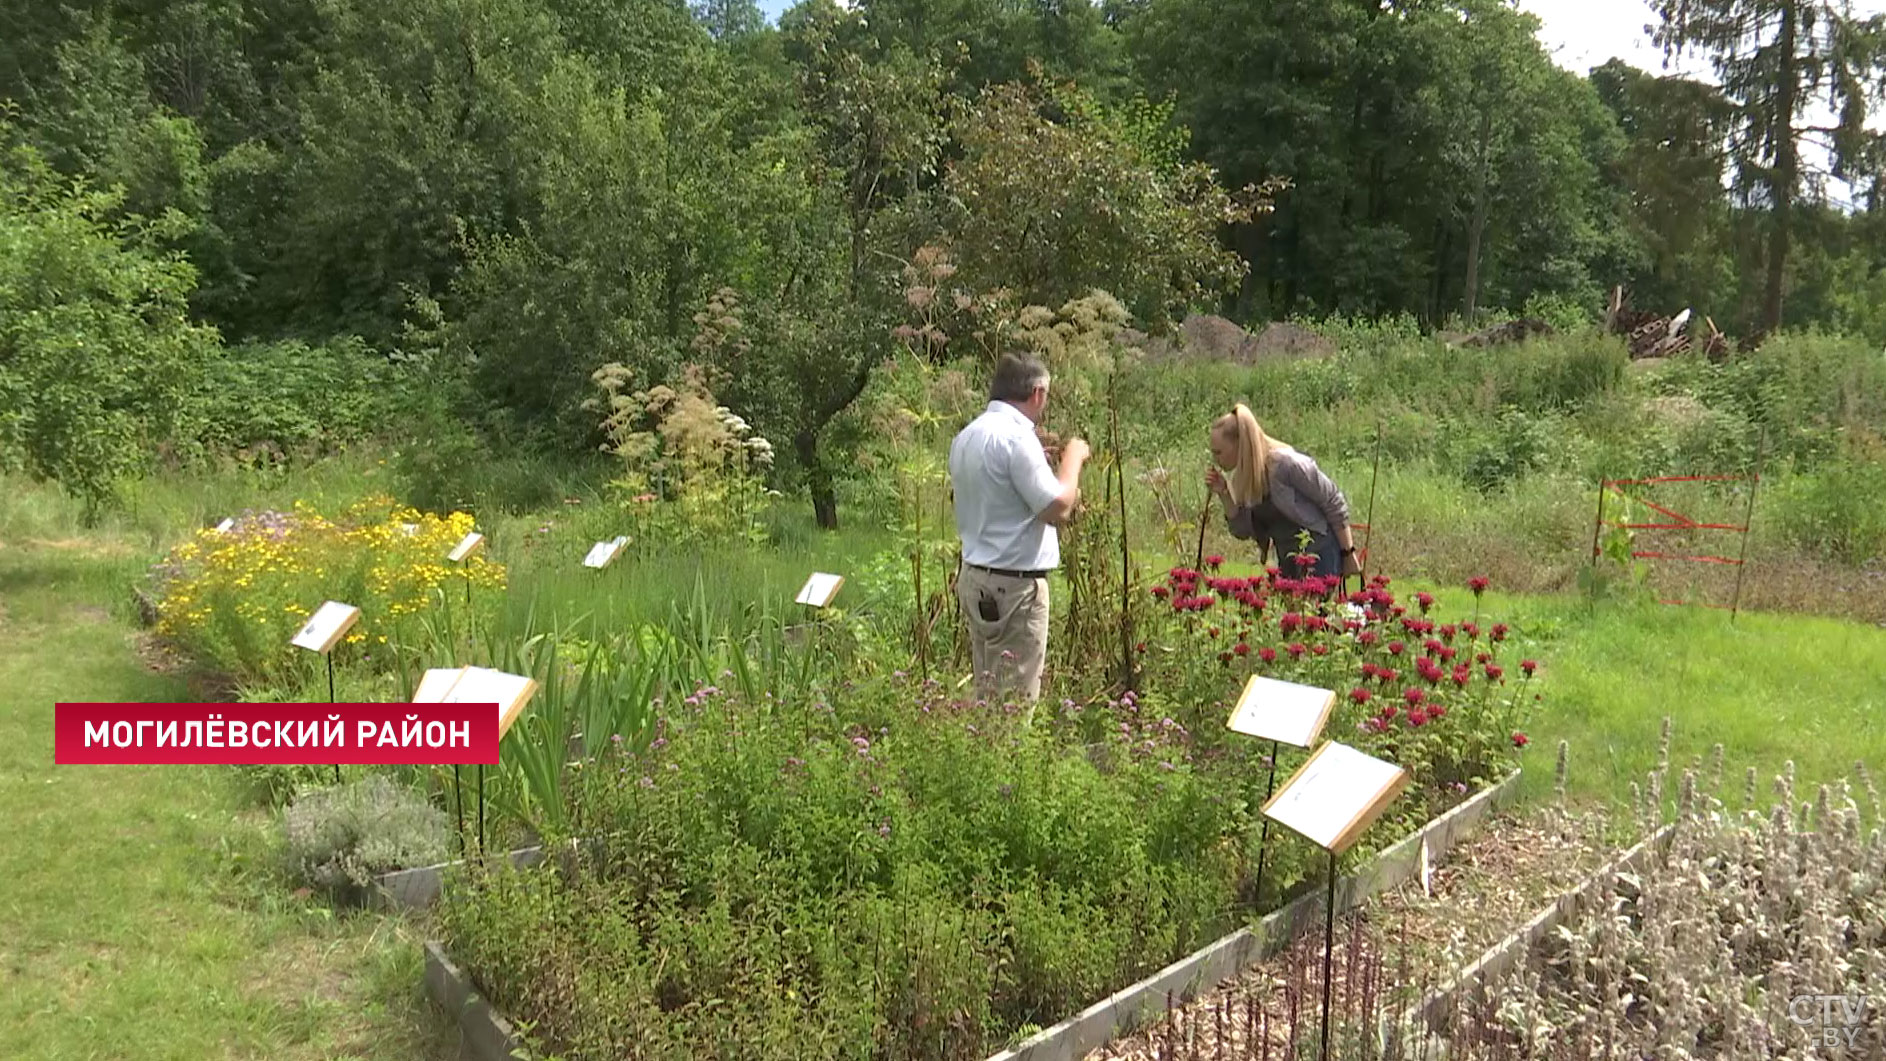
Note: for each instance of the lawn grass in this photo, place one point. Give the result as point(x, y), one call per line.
point(1768, 687)
point(140, 912)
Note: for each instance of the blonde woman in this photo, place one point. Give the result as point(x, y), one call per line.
point(1271, 494)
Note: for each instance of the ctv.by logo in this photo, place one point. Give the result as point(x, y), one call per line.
point(1839, 1016)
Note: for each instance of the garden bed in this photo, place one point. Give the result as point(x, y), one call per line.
point(1702, 942)
point(1485, 885)
point(1467, 991)
point(489, 1035)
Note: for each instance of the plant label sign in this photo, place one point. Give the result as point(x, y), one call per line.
point(602, 554)
point(1335, 795)
point(819, 590)
point(1284, 712)
point(478, 685)
point(436, 683)
point(326, 627)
point(466, 546)
point(225, 525)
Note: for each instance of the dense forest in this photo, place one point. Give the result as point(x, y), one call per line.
point(227, 223)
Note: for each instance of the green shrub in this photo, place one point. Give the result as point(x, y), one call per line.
point(340, 838)
point(98, 357)
point(297, 398)
point(1497, 454)
point(1837, 511)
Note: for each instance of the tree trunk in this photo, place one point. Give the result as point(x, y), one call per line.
point(818, 477)
point(1786, 172)
point(1476, 228)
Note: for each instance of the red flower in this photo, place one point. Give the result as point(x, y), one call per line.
point(1481, 657)
point(1417, 718)
point(1224, 657)
point(1296, 649)
point(1425, 600)
point(1367, 638)
point(1305, 561)
point(1528, 666)
point(1433, 645)
point(1472, 630)
point(1499, 632)
point(1387, 675)
point(1520, 740)
point(1211, 631)
point(1478, 584)
point(1368, 670)
point(1398, 611)
point(1395, 648)
point(1360, 695)
point(1267, 654)
point(1448, 654)
point(1214, 562)
point(1161, 592)
point(1241, 649)
point(1494, 671)
point(1141, 647)
point(1414, 695)
point(1462, 675)
point(1437, 711)
point(1320, 649)
point(1448, 630)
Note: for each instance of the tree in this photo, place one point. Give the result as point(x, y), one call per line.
point(1051, 210)
point(876, 130)
point(727, 20)
point(1775, 59)
point(1672, 169)
point(98, 359)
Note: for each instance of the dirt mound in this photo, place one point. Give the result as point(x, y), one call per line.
point(1205, 337)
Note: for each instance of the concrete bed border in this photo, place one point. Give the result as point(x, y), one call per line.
point(486, 1036)
point(1433, 1013)
point(420, 887)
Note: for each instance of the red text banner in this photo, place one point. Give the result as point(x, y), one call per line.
point(284, 734)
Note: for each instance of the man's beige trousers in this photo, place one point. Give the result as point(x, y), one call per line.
point(1009, 650)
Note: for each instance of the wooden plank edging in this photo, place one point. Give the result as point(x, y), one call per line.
point(1126, 1010)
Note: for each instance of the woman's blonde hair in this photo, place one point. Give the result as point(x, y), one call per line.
point(1250, 478)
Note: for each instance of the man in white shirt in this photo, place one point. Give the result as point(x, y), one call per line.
point(1008, 504)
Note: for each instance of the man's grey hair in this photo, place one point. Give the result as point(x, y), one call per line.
point(1016, 377)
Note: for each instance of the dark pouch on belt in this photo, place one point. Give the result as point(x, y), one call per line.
point(985, 607)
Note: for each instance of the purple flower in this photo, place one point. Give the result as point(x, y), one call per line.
point(884, 829)
point(647, 782)
point(658, 744)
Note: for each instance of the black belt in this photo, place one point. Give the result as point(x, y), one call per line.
point(1011, 574)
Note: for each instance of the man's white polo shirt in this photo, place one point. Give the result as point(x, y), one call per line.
point(1003, 482)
